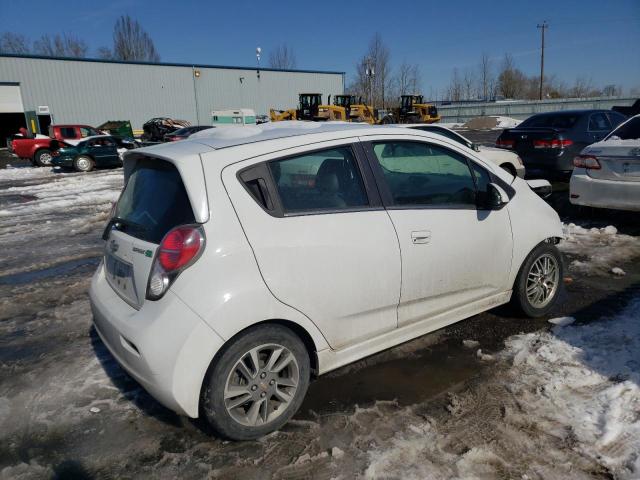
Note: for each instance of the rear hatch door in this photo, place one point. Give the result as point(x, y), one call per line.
point(153, 202)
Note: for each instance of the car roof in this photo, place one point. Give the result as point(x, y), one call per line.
point(571, 112)
point(224, 137)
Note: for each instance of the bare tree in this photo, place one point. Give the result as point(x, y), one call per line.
point(105, 53)
point(455, 87)
point(612, 90)
point(582, 88)
point(283, 57)
point(407, 80)
point(468, 84)
point(511, 81)
point(60, 46)
point(486, 77)
point(130, 43)
point(14, 43)
point(377, 58)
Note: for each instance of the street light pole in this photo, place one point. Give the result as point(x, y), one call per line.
point(370, 73)
point(542, 27)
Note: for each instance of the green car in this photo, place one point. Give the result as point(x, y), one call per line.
point(91, 152)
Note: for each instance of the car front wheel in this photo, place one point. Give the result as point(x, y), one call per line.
point(539, 279)
point(257, 383)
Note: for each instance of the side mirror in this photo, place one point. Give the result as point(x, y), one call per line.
point(542, 187)
point(475, 147)
point(496, 197)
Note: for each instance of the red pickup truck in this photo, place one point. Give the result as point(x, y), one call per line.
point(39, 149)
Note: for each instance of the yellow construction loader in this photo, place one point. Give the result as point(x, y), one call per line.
point(308, 109)
point(412, 109)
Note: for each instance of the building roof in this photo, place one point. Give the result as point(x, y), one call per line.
point(166, 64)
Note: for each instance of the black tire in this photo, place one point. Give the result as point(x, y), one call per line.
point(83, 163)
point(520, 300)
point(224, 366)
point(43, 158)
point(388, 120)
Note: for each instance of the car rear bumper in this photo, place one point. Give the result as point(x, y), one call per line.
point(561, 163)
point(165, 346)
point(616, 195)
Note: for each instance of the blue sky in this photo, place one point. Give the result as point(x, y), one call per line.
point(599, 40)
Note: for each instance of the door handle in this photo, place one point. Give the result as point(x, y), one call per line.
point(421, 236)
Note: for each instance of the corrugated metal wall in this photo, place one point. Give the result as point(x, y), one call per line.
point(92, 92)
point(522, 109)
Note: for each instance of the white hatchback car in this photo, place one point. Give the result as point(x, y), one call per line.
point(509, 161)
point(607, 173)
point(241, 263)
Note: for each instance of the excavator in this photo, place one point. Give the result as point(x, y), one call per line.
point(308, 109)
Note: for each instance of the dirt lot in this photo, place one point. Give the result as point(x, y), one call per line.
point(452, 404)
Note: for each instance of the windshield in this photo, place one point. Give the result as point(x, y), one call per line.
point(308, 100)
point(627, 131)
point(560, 120)
point(154, 200)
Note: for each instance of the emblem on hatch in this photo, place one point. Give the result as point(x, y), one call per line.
point(146, 253)
point(113, 246)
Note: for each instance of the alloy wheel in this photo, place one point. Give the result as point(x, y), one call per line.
point(542, 281)
point(261, 385)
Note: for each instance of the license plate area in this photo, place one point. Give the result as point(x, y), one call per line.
point(120, 276)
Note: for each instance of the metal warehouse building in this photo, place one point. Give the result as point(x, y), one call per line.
point(42, 90)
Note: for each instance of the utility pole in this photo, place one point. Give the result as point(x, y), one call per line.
point(542, 27)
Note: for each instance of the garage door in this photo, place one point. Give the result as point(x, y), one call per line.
point(10, 99)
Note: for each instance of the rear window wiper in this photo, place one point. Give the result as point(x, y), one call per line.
point(123, 221)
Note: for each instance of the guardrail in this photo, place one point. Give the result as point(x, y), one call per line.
point(521, 109)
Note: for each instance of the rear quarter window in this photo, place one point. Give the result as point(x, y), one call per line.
point(154, 201)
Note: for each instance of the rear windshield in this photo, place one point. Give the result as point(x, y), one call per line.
point(561, 120)
point(627, 131)
point(154, 201)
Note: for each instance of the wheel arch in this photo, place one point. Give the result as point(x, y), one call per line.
point(296, 328)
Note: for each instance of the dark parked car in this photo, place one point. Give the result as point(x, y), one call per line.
point(89, 153)
point(548, 141)
point(156, 128)
point(185, 132)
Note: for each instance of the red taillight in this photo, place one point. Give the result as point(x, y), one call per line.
point(178, 247)
point(588, 162)
point(178, 250)
point(555, 143)
point(505, 143)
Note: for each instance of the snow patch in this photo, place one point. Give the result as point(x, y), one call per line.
point(470, 343)
point(598, 250)
point(562, 321)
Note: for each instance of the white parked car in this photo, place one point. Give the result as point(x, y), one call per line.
point(607, 173)
point(239, 265)
point(509, 161)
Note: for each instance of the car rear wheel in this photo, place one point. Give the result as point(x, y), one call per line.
point(83, 163)
point(43, 158)
point(257, 383)
point(538, 282)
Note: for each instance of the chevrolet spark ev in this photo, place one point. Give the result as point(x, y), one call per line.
point(239, 264)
